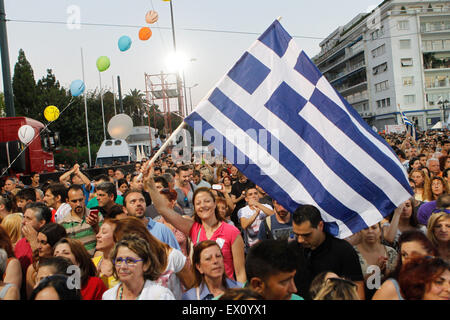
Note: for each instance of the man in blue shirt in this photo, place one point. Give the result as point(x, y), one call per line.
point(134, 205)
point(277, 226)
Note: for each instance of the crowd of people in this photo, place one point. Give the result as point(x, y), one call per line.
point(176, 231)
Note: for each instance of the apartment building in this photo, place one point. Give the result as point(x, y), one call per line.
point(396, 58)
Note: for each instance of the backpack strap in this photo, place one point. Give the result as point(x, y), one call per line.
point(268, 228)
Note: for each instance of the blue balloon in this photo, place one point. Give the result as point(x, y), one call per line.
point(77, 87)
point(124, 43)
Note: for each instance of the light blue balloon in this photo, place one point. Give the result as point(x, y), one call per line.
point(124, 43)
point(77, 87)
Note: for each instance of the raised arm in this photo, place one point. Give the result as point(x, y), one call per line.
point(390, 232)
point(82, 176)
point(65, 177)
point(161, 204)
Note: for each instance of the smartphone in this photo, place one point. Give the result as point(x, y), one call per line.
point(216, 187)
point(94, 213)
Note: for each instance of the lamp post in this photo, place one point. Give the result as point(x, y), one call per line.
point(190, 93)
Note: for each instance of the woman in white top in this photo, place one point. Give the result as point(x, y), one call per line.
point(175, 273)
point(137, 268)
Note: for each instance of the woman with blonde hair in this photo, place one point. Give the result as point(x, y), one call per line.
point(12, 224)
point(438, 230)
point(337, 289)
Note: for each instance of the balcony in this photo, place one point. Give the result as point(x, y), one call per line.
point(347, 71)
point(429, 46)
point(355, 98)
point(439, 84)
point(436, 62)
point(350, 87)
point(435, 27)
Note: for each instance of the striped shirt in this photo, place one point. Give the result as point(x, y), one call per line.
point(78, 228)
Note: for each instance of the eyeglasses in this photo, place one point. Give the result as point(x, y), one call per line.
point(130, 262)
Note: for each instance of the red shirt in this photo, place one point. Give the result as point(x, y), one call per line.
point(224, 236)
point(93, 290)
point(23, 252)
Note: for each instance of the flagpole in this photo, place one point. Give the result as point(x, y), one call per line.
point(114, 95)
point(163, 147)
point(85, 110)
point(101, 101)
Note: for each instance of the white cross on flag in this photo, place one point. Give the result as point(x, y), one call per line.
point(280, 122)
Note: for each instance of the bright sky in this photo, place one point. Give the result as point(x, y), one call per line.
point(57, 47)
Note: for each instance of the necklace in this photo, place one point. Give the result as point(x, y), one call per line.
point(121, 292)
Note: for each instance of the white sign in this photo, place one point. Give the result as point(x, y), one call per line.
point(395, 128)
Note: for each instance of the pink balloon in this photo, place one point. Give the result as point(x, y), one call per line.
point(151, 17)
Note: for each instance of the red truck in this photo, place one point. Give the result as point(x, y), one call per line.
point(37, 157)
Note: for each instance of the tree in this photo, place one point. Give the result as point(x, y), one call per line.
point(134, 103)
point(2, 105)
point(24, 88)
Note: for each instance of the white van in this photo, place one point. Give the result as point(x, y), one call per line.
point(113, 150)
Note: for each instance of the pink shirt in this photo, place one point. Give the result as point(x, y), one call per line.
point(224, 236)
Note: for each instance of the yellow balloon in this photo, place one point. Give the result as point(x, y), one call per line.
point(51, 113)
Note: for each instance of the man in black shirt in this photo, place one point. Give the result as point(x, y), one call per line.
point(238, 195)
point(321, 252)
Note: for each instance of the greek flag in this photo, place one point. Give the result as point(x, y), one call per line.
point(280, 122)
point(410, 127)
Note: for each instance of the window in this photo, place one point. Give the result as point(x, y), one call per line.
point(409, 99)
point(405, 44)
point(408, 81)
point(380, 68)
point(407, 62)
point(384, 103)
point(378, 51)
point(403, 25)
point(384, 85)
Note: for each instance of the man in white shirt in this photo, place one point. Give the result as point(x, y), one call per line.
point(252, 215)
point(55, 197)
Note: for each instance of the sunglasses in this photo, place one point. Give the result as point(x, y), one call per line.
point(343, 281)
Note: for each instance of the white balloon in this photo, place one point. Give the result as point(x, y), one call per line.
point(26, 133)
point(120, 126)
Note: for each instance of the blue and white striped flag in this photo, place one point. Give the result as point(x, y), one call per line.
point(280, 122)
point(410, 127)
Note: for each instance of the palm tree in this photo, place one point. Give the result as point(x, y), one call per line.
point(136, 105)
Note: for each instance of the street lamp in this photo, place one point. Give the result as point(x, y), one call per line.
point(443, 107)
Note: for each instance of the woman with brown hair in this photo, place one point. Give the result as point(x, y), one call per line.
point(425, 278)
point(137, 267)
point(437, 187)
point(104, 247)
point(49, 234)
point(209, 271)
point(422, 182)
point(171, 263)
point(207, 225)
point(411, 243)
point(92, 287)
point(438, 231)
